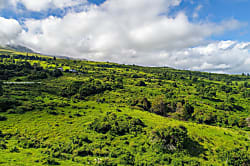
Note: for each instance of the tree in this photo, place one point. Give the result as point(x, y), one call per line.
point(140, 83)
point(207, 92)
point(170, 138)
point(146, 104)
point(232, 100)
point(117, 124)
point(189, 109)
point(246, 84)
point(56, 73)
point(1, 89)
point(159, 106)
point(242, 122)
point(183, 111)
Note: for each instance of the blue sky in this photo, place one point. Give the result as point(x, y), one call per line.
point(220, 10)
point(204, 35)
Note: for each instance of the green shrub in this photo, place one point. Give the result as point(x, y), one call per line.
point(3, 118)
point(3, 144)
point(49, 161)
point(2, 141)
point(159, 106)
point(83, 151)
point(142, 103)
point(127, 159)
point(1, 89)
point(169, 138)
point(52, 112)
point(14, 149)
point(140, 83)
point(7, 103)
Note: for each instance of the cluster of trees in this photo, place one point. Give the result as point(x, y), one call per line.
point(34, 72)
point(2, 141)
point(13, 106)
point(11, 70)
point(43, 74)
point(179, 110)
point(24, 57)
point(1, 89)
point(206, 92)
point(82, 89)
point(8, 103)
point(246, 93)
point(170, 139)
point(183, 110)
point(117, 125)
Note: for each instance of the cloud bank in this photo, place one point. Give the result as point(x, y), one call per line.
point(9, 31)
point(131, 32)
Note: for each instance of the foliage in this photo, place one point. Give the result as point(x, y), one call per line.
point(1, 89)
point(3, 118)
point(170, 138)
point(7, 103)
point(117, 125)
point(77, 112)
point(159, 106)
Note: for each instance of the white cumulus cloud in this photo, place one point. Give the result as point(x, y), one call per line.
point(134, 32)
point(9, 31)
point(222, 57)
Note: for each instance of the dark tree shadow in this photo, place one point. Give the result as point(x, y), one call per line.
point(194, 148)
point(212, 99)
point(237, 107)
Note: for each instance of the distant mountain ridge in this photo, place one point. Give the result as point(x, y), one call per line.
point(19, 48)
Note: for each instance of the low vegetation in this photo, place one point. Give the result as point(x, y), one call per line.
point(71, 112)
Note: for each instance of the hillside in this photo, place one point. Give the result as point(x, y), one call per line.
point(71, 112)
point(19, 48)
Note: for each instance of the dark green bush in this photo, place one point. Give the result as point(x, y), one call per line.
point(1, 89)
point(29, 142)
point(142, 103)
point(2, 141)
point(169, 138)
point(140, 83)
point(7, 103)
point(159, 106)
point(56, 73)
point(83, 151)
point(49, 161)
point(3, 118)
point(14, 149)
point(52, 112)
point(3, 144)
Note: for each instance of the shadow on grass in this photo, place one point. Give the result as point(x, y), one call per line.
point(212, 99)
point(194, 148)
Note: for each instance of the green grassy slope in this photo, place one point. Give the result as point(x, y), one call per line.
point(96, 113)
